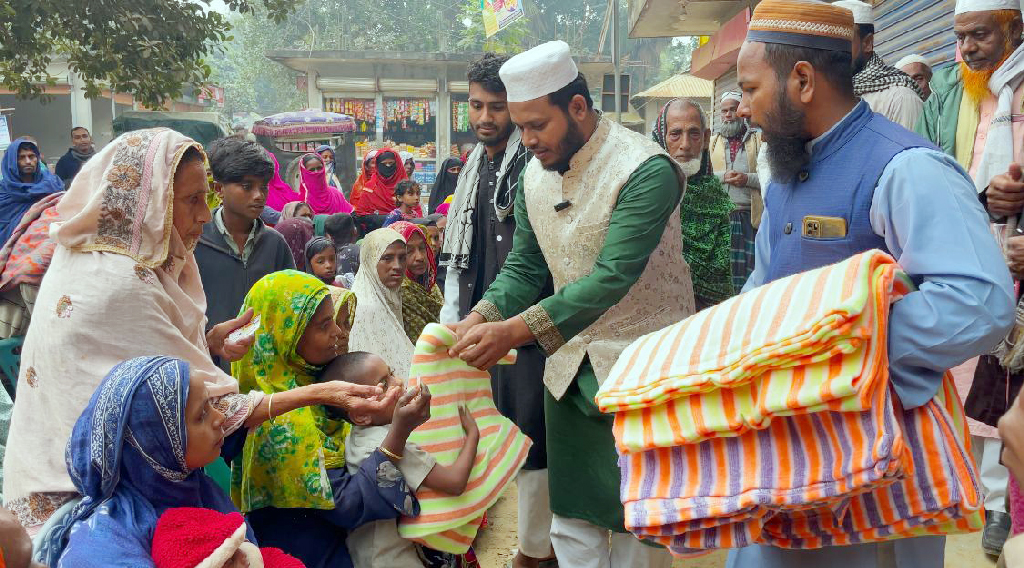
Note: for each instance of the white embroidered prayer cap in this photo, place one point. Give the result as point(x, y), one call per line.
point(908, 59)
point(731, 96)
point(861, 11)
point(538, 72)
point(964, 6)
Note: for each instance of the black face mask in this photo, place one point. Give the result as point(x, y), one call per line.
point(387, 171)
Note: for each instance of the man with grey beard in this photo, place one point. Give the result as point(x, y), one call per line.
point(734, 160)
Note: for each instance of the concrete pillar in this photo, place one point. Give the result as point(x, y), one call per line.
point(81, 107)
point(314, 98)
point(378, 103)
point(443, 120)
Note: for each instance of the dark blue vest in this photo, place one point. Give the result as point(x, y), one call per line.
point(839, 181)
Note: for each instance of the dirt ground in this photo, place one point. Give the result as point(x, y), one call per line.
point(495, 544)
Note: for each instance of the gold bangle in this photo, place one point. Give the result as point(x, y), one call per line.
point(389, 453)
point(270, 408)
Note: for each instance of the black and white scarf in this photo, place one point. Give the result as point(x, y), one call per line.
point(458, 235)
point(877, 76)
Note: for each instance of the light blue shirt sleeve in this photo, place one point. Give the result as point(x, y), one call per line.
point(762, 252)
point(926, 208)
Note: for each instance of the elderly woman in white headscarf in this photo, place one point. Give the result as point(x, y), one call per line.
point(124, 283)
point(379, 327)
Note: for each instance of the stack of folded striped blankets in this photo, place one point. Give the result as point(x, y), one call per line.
point(770, 419)
point(450, 523)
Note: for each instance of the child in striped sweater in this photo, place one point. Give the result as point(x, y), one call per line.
point(378, 544)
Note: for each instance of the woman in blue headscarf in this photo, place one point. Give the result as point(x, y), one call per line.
point(135, 452)
point(23, 184)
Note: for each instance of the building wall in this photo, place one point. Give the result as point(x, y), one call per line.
point(50, 122)
point(922, 27)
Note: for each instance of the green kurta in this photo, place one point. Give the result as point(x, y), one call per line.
point(582, 462)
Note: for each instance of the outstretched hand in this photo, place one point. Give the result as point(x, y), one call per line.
point(360, 399)
point(412, 410)
point(216, 338)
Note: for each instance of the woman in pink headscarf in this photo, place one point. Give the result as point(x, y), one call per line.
point(279, 192)
point(322, 198)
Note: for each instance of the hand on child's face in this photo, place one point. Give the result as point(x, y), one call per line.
point(378, 373)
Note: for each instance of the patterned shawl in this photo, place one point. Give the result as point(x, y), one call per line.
point(421, 297)
point(704, 215)
point(121, 285)
point(877, 76)
point(379, 327)
point(127, 459)
point(27, 254)
point(284, 462)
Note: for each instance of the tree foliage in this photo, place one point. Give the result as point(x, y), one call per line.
point(150, 48)
point(253, 82)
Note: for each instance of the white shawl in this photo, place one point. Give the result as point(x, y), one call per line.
point(998, 153)
point(121, 285)
point(378, 328)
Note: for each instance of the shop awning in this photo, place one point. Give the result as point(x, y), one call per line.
point(682, 85)
point(670, 18)
point(719, 54)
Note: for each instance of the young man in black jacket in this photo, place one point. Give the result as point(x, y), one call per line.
point(237, 248)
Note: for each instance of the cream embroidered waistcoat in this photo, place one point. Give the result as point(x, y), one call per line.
point(571, 240)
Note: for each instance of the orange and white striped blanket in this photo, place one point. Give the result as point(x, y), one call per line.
point(450, 523)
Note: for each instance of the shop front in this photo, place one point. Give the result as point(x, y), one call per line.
point(410, 101)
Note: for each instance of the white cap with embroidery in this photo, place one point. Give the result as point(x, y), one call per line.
point(861, 11)
point(538, 72)
point(964, 6)
point(907, 60)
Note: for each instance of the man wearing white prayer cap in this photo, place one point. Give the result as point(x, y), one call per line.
point(919, 70)
point(734, 150)
point(598, 213)
point(974, 114)
point(887, 90)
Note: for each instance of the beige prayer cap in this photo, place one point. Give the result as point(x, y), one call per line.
point(538, 72)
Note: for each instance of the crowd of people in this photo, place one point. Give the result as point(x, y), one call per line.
point(215, 362)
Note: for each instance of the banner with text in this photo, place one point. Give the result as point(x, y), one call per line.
point(499, 14)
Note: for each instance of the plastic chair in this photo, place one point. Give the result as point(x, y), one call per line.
point(10, 361)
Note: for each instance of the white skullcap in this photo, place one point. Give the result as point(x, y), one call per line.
point(731, 96)
point(861, 11)
point(907, 60)
point(964, 6)
point(538, 72)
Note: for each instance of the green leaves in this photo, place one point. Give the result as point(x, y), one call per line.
point(150, 49)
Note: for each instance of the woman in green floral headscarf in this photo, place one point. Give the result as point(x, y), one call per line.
point(290, 477)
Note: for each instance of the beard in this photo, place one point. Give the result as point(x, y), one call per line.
point(860, 63)
point(733, 128)
point(567, 148)
point(499, 136)
point(689, 168)
point(785, 136)
point(976, 82)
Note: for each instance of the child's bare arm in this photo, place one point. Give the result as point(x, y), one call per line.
point(452, 479)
